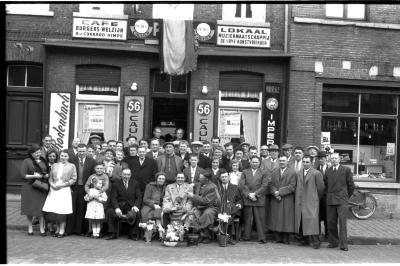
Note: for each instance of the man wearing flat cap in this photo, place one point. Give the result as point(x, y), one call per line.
point(272, 162)
point(287, 150)
point(169, 163)
point(313, 152)
point(204, 161)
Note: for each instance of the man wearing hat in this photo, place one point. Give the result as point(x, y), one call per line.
point(287, 150)
point(272, 162)
point(73, 151)
point(94, 139)
point(245, 147)
point(323, 165)
point(313, 152)
point(130, 140)
point(169, 163)
point(204, 161)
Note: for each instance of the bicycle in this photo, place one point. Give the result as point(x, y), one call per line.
point(362, 204)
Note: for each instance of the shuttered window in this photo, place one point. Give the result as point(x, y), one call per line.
point(241, 86)
point(98, 79)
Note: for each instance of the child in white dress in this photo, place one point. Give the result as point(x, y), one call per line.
point(95, 208)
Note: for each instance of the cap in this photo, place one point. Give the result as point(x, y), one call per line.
point(287, 146)
point(168, 143)
point(244, 143)
point(273, 147)
point(130, 137)
point(321, 154)
point(95, 137)
point(313, 147)
point(196, 143)
point(176, 142)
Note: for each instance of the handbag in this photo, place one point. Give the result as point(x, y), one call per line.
point(40, 184)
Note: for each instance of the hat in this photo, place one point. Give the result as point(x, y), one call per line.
point(312, 147)
point(321, 154)
point(130, 137)
point(168, 143)
point(273, 147)
point(176, 142)
point(244, 143)
point(287, 146)
point(197, 143)
point(95, 137)
point(131, 217)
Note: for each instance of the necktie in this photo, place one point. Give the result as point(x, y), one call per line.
point(141, 161)
point(126, 184)
point(154, 156)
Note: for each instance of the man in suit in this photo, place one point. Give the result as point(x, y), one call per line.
point(174, 193)
point(309, 189)
point(130, 140)
point(283, 186)
point(313, 152)
point(154, 149)
point(272, 162)
point(183, 152)
point(206, 200)
point(215, 169)
point(339, 186)
point(193, 171)
point(253, 185)
point(264, 154)
point(231, 201)
point(297, 164)
point(323, 165)
point(47, 142)
point(143, 169)
point(204, 161)
point(126, 200)
point(169, 163)
point(206, 151)
point(243, 164)
point(287, 150)
point(157, 135)
point(76, 222)
point(73, 151)
point(228, 156)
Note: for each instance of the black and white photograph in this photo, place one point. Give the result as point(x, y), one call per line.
point(193, 132)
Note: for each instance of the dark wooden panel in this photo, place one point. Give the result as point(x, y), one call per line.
point(14, 170)
point(15, 117)
point(34, 122)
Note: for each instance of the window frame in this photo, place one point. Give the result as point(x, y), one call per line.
point(26, 76)
point(345, 13)
point(153, 73)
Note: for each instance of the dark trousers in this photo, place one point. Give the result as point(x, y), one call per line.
point(76, 222)
point(337, 215)
point(322, 215)
point(283, 237)
point(313, 239)
point(112, 220)
point(256, 214)
point(267, 211)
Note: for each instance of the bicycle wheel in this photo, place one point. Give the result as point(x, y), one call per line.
point(365, 210)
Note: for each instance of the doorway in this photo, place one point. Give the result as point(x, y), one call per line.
point(170, 114)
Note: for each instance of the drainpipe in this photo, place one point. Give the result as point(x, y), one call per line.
point(285, 47)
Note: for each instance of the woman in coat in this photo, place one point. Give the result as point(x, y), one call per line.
point(152, 199)
point(32, 199)
point(59, 200)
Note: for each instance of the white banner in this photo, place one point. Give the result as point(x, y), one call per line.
point(95, 28)
point(60, 104)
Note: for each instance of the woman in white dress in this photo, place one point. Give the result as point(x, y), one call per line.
point(235, 175)
point(59, 200)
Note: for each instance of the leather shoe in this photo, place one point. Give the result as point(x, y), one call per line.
point(112, 236)
point(332, 246)
point(206, 240)
point(262, 241)
point(344, 249)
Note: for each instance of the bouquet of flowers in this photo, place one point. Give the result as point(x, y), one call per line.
point(175, 232)
point(149, 228)
point(223, 219)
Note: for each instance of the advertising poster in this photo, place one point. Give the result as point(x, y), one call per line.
point(133, 117)
point(203, 119)
point(96, 28)
point(272, 114)
point(60, 108)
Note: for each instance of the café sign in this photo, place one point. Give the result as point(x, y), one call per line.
point(60, 106)
point(272, 117)
point(93, 28)
point(203, 119)
point(133, 116)
point(258, 37)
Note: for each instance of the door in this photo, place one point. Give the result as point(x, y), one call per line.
point(23, 128)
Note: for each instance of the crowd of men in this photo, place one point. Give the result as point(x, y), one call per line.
point(283, 193)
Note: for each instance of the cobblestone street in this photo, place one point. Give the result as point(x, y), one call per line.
point(75, 249)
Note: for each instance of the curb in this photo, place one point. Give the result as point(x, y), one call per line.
point(373, 241)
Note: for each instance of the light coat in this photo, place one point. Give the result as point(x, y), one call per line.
point(308, 192)
point(172, 192)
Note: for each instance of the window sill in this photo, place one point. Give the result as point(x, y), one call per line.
point(243, 22)
point(347, 23)
point(100, 15)
point(43, 14)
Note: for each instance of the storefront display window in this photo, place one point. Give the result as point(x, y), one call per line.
point(363, 128)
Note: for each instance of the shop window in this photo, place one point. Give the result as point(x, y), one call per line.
point(173, 11)
point(29, 9)
point(25, 76)
point(346, 11)
point(163, 83)
point(366, 138)
point(102, 9)
point(98, 80)
point(244, 12)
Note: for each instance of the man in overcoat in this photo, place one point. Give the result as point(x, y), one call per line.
point(339, 186)
point(254, 185)
point(193, 171)
point(206, 201)
point(169, 163)
point(143, 169)
point(283, 186)
point(309, 189)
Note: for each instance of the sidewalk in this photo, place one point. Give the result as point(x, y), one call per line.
point(373, 231)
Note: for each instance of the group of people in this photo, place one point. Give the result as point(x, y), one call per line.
point(282, 192)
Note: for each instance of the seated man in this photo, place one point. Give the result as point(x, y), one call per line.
point(175, 203)
point(206, 201)
point(231, 201)
point(126, 200)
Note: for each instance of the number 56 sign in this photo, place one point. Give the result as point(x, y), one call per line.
point(203, 125)
point(133, 117)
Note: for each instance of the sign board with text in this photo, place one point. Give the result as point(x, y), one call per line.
point(243, 36)
point(203, 123)
point(144, 28)
point(133, 116)
point(60, 108)
point(96, 28)
point(272, 114)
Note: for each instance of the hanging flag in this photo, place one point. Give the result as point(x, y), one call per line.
point(177, 47)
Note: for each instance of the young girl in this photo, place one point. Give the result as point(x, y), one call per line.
point(95, 209)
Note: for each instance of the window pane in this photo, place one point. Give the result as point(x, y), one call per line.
point(334, 10)
point(339, 102)
point(178, 84)
point(35, 76)
point(377, 148)
point(343, 129)
point(160, 82)
point(356, 11)
point(378, 104)
point(16, 75)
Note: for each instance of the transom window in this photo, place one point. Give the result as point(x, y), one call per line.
point(25, 76)
point(164, 83)
point(346, 11)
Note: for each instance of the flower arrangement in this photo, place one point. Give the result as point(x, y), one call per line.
point(150, 227)
point(223, 219)
point(175, 232)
